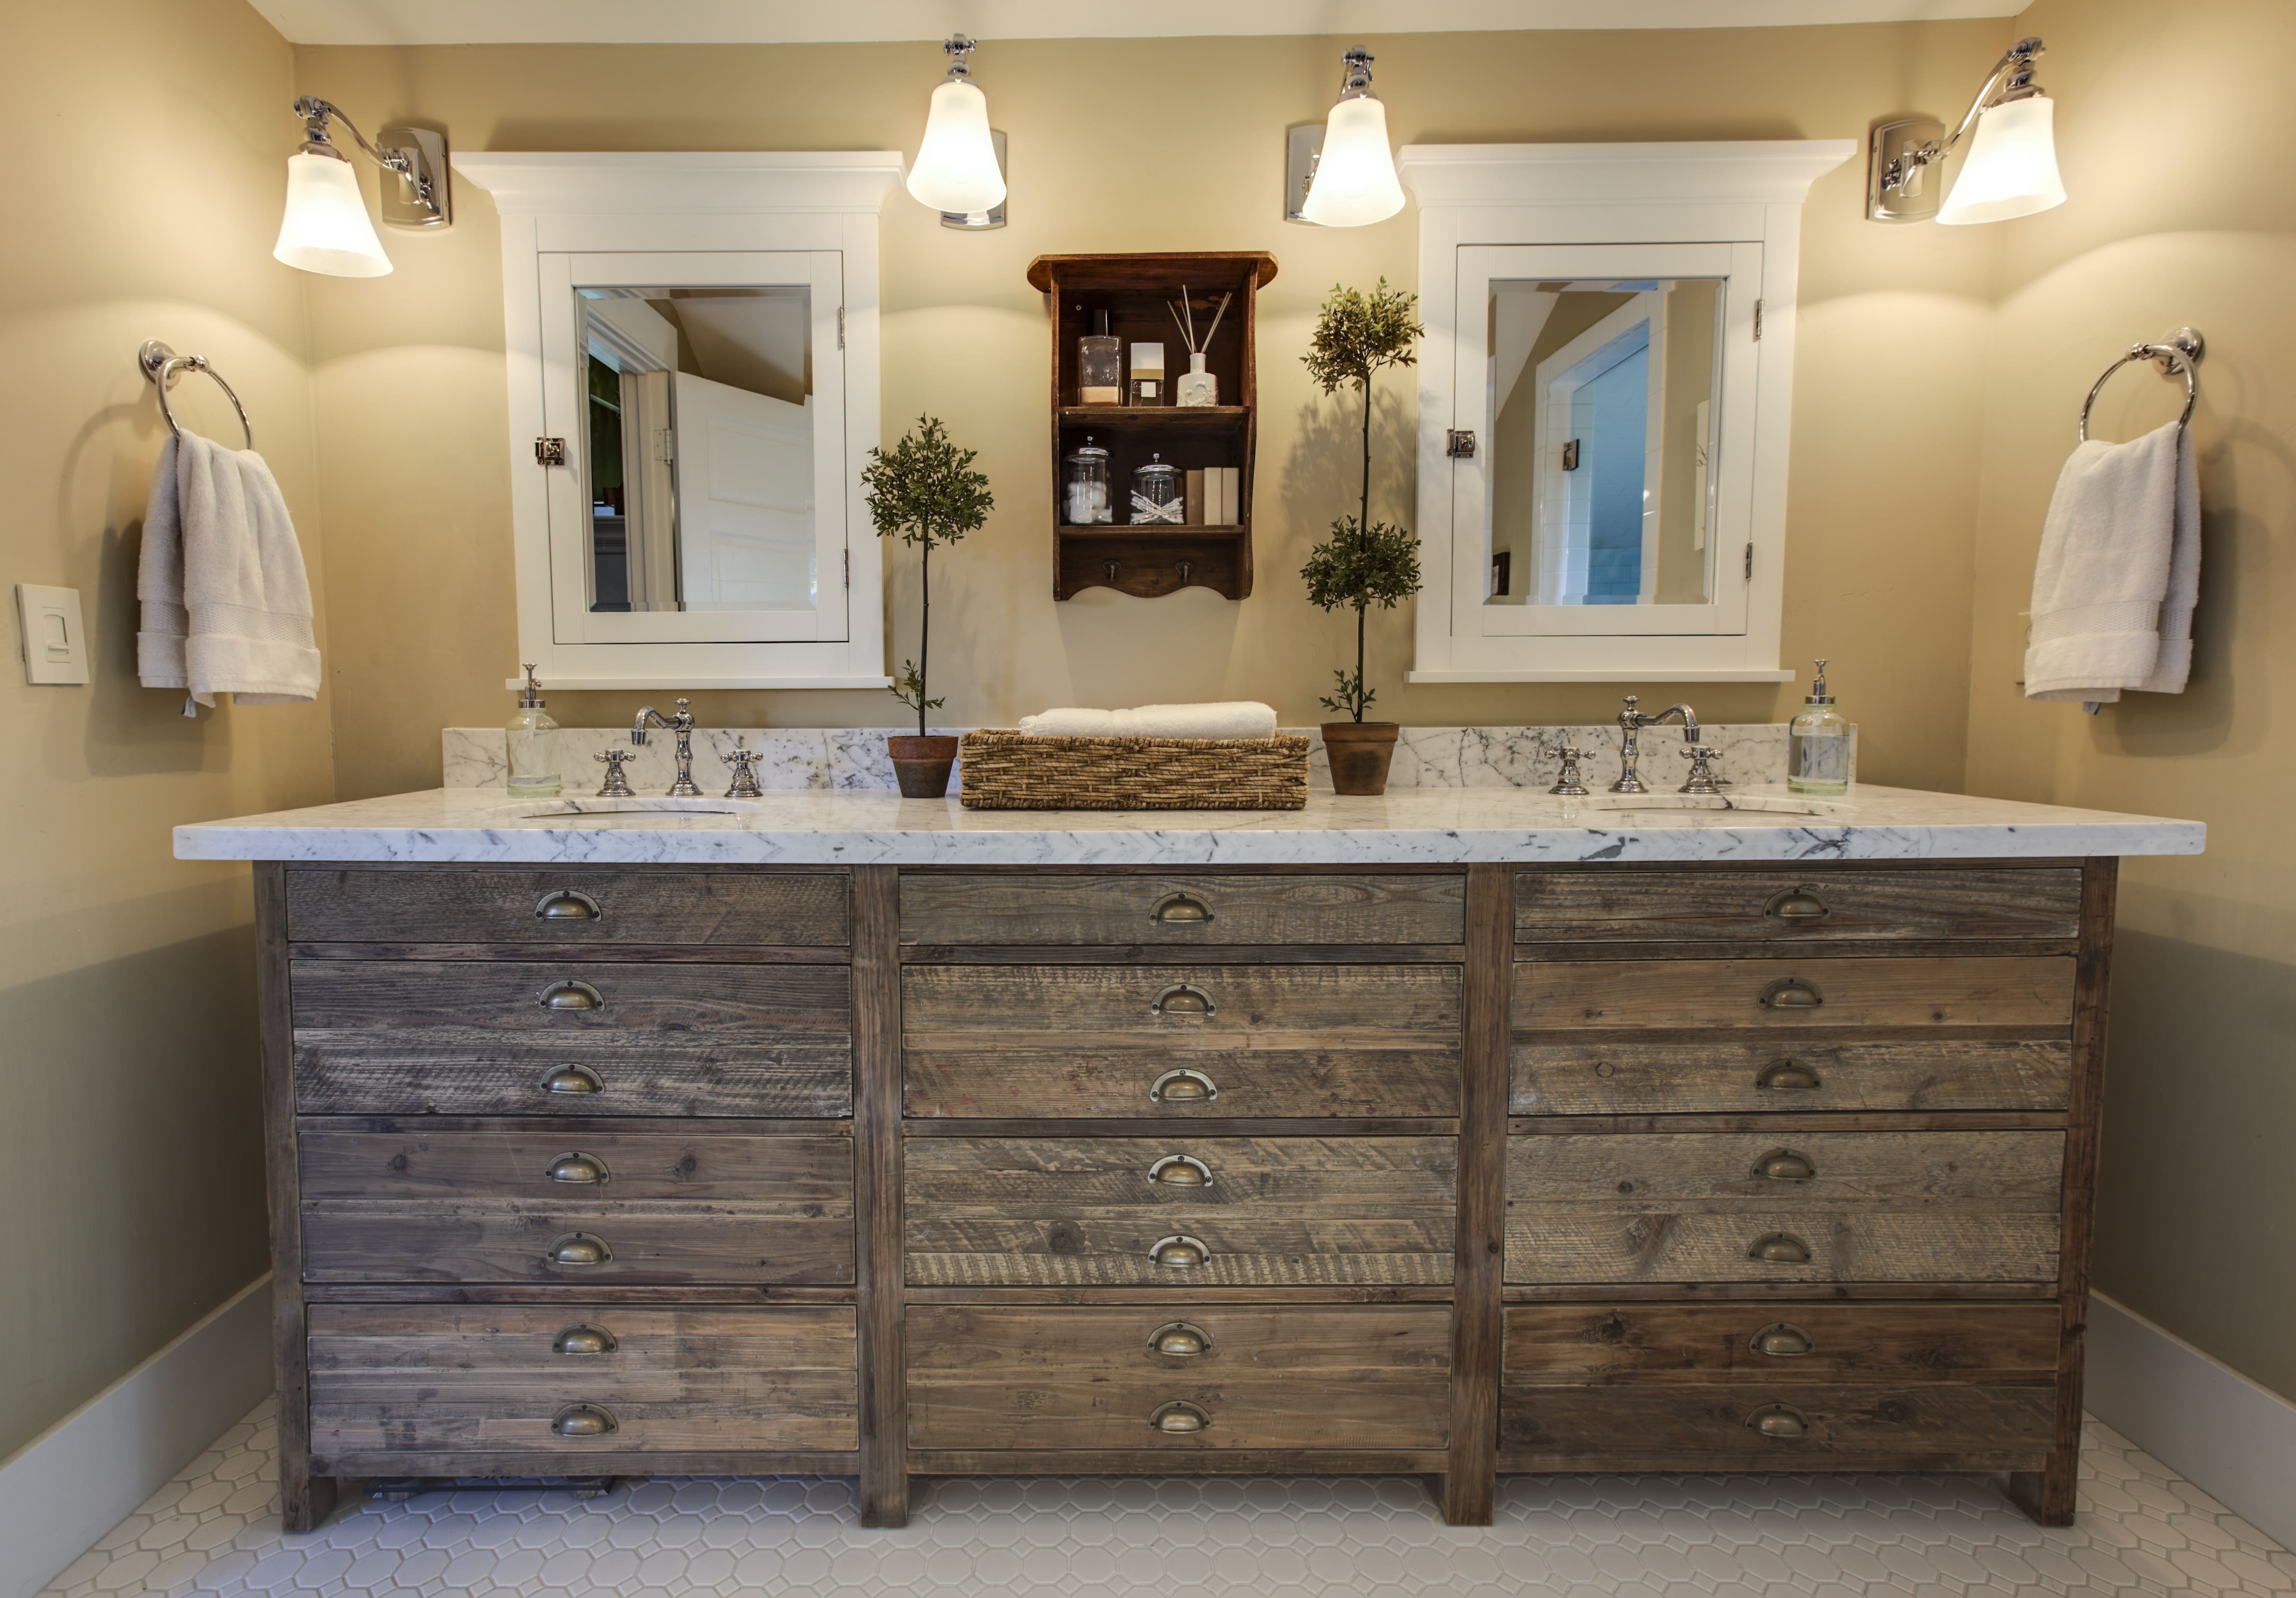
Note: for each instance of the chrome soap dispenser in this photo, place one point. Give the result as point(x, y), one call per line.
point(1817, 745)
point(533, 775)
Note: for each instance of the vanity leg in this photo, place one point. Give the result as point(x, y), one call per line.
point(883, 1489)
point(1470, 1482)
point(2047, 1494)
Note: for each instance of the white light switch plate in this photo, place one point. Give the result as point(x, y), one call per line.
point(55, 641)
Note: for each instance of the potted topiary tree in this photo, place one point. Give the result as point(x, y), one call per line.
point(1363, 562)
point(924, 492)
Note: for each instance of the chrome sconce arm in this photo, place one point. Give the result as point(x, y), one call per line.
point(417, 155)
point(1898, 187)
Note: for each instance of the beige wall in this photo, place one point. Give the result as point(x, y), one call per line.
point(410, 383)
point(146, 140)
point(2179, 215)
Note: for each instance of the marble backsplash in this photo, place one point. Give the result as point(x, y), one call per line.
point(835, 758)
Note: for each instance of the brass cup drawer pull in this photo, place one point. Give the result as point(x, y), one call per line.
point(584, 1421)
point(1180, 1252)
point(1180, 1339)
point(1783, 1340)
point(1788, 1076)
point(568, 904)
point(1791, 992)
point(1179, 1416)
point(571, 995)
point(1184, 999)
point(580, 1249)
point(1784, 1165)
point(1183, 1087)
point(1780, 1421)
point(1797, 904)
point(585, 1340)
point(577, 1167)
point(1780, 1248)
point(1180, 1171)
point(572, 1079)
point(1181, 910)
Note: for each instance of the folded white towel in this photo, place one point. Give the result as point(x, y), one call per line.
point(226, 602)
point(2119, 572)
point(1230, 719)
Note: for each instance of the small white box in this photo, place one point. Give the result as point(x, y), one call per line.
point(55, 641)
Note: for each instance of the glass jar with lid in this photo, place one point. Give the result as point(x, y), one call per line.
point(1086, 492)
point(1158, 493)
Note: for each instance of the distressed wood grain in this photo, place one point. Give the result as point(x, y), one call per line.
point(1931, 1426)
point(1572, 1345)
point(1714, 995)
point(1288, 1006)
point(498, 1078)
point(1905, 1171)
point(1624, 1075)
point(802, 1240)
point(1018, 908)
point(1057, 1083)
point(1685, 903)
point(497, 905)
point(1582, 1242)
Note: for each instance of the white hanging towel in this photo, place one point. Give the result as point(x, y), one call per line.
point(227, 603)
point(1230, 719)
point(2119, 574)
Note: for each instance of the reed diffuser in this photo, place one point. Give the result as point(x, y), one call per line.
point(1196, 386)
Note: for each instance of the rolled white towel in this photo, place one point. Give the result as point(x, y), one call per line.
point(1230, 719)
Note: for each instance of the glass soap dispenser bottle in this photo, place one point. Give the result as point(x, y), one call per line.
point(1817, 744)
point(533, 774)
point(1100, 365)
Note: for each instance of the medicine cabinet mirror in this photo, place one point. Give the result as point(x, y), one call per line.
point(693, 393)
point(1604, 393)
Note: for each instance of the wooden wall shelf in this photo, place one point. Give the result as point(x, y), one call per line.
point(1149, 562)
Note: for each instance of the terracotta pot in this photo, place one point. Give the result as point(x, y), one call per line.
point(922, 765)
point(1360, 754)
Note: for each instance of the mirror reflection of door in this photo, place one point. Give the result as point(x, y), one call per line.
point(700, 449)
point(1601, 397)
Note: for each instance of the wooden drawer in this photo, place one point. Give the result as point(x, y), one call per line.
point(565, 909)
point(1784, 1425)
point(436, 1377)
point(1558, 1075)
point(1687, 904)
point(1576, 1345)
point(1972, 1207)
point(1009, 1212)
point(1275, 1040)
point(961, 910)
point(1301, 1376)
point(533, 1078)
point(689, 1205)
point(1711, 995)
point(388, 1020)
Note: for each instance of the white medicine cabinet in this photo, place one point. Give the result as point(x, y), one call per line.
point(1605, 393)
point(691, 343)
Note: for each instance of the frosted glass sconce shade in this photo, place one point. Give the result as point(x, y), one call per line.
point(2011, 170)
point(1355, 181)
point(956, 168)
point(326, 228)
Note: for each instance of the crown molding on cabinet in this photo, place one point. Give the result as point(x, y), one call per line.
point(527, 184)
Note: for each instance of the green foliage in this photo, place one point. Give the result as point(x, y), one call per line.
point(1359, 568)
point(1358, 334)
point(909, 688)
point(925, 492)
point(1352, 699)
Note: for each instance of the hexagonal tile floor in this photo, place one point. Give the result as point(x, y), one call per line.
point(213, 1530)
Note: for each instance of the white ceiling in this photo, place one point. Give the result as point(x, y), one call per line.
point(795, 21)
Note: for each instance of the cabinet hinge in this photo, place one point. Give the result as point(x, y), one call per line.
point(840, 327)
point(1757, 321)
point(849, 568)
point(1750, 563)
point(550, 452)
point(665, 446)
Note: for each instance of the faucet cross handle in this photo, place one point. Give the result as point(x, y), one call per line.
point(1702, 779)
point(744, 762)
point(1568, 783)
point(617, 785)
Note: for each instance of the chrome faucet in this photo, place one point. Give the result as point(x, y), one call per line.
point(1631, 722)
point(682, 724)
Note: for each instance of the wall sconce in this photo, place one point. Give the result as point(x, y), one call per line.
point(960, 166)
point(2011, 170)
point(326, 228)
point(1342, 175)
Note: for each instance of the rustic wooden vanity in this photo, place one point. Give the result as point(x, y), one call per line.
point(1459, 1169)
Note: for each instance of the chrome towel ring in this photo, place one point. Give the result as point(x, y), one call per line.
point(161, 364)
point(2181, 355)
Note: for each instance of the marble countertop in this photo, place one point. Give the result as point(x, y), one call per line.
point(1416, 825)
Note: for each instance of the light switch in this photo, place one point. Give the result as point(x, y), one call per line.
point(55, 641)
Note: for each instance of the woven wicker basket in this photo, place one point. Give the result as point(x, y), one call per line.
point(1011, 770)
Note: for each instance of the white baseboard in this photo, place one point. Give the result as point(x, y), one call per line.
point(2230, 1438)
point(86, 1473)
